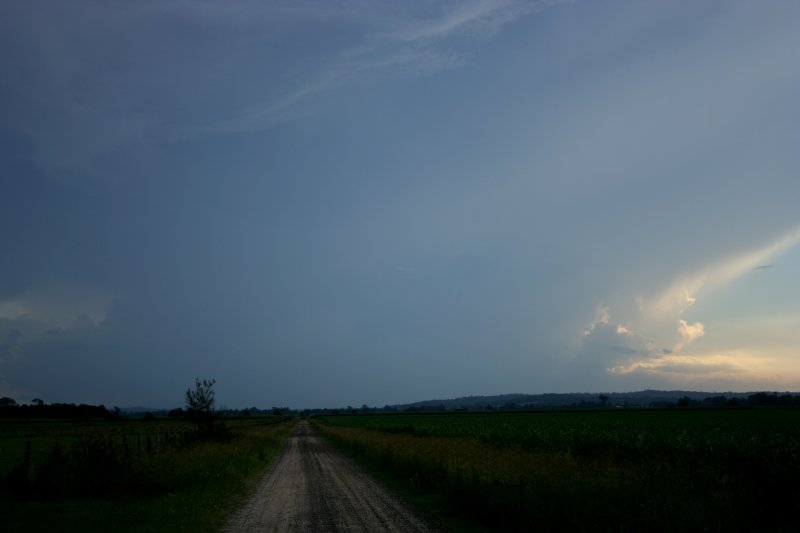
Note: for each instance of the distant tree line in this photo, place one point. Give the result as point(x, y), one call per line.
point(180, 412)
point(758, 399)
point(9, 408)
point(602, 401)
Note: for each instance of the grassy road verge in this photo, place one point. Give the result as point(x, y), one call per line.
point(192, 485)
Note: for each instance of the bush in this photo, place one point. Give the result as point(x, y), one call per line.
point(95, 466)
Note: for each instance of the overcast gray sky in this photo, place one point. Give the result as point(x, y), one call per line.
point(322, 203)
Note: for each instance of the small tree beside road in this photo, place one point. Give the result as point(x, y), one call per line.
point(200, 406)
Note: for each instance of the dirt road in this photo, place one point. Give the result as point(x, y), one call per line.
point(312, 487)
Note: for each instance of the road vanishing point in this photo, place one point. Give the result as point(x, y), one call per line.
point(311, 487)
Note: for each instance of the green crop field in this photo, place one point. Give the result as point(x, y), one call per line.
point(129, 475)
point(667, 470)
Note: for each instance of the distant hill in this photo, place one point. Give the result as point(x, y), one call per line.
point(645, 398)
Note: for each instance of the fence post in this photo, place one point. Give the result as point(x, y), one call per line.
point(28, 453)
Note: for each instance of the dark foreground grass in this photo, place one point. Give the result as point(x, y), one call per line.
point(192, 485)
point(644, 471)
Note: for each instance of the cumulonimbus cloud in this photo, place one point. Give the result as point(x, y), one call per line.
point(682, 292)
point(655, 338)
point(689, 332)
point(58, 304)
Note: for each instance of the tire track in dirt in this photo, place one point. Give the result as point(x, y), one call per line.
point(312, 487)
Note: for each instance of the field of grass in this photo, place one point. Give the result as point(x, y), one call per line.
point(130, 475)
point(663, 470)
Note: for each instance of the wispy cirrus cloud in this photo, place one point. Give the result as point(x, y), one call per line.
point(398, 44)
point(108, 80)
point(479, 17)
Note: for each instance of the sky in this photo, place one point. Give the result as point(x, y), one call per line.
point(347, 202)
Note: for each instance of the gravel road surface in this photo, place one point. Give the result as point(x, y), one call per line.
point(312, 487)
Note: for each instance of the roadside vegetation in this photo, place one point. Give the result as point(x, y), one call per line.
point(132, 474)
point(654, 470)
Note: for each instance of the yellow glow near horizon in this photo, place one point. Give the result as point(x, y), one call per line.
point(735, 369)
point(751, 353)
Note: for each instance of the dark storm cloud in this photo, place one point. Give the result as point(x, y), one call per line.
point(326, 204)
